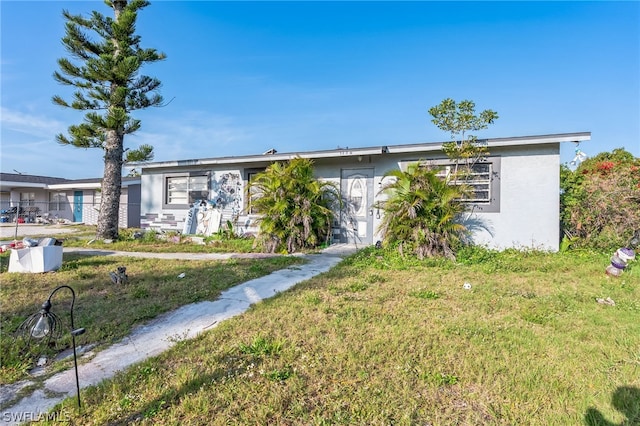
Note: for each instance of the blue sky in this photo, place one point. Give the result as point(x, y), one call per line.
point(244, 77)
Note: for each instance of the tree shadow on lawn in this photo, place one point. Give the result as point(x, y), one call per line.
point(626, 400)
point(231, 364)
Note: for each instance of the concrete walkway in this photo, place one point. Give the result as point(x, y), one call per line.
point(163, 332)
point(183, 256)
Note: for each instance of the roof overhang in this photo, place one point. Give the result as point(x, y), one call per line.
point(84, 185)
point(356, 152)
point(6, 186)
point(9, 185)
point(498, 142)
point(93, 184)
point(285, 156)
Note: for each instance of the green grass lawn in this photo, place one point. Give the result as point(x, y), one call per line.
point(109, 312)
point(379, 341)
point(171, 242)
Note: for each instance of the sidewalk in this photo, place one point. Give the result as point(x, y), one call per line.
point(161, 333)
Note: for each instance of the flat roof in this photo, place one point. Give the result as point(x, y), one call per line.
point(9, 181)
point(376, 150)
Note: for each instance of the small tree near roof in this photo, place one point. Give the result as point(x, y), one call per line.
point(458, 119)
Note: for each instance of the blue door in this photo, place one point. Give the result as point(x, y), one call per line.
point(77, 206)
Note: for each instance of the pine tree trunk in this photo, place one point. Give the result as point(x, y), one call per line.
point(108, 218)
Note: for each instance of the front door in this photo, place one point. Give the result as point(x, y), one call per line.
point(77, 206)
point(356, 187)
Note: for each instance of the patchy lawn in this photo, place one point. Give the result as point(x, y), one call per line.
point(381, 340)
point(109, 312)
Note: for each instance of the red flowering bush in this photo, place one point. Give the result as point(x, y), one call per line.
point(600, 200)
point(604, 167)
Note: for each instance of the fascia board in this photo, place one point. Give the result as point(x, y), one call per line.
point(405, 149)
point(497, 142)
point(354, 152)
point(335, 153)
point(22, 185)
point(86, 185)
point(539, 140)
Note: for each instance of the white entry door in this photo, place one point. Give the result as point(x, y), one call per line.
point(356, 186)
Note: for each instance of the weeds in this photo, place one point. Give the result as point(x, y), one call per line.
point(109, 312)
point(425, 294)
point(525, 347)
point(261, 346)
point(386, 339)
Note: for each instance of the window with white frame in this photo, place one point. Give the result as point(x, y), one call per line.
point(483, 179)
point(477, 177)
point(97, 198)
point(57, 201)
point(184, 190)
point(27, 199)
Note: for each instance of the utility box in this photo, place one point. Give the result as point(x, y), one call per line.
point(36, 259)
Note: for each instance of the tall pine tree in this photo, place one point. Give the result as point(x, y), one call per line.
point(105, 72)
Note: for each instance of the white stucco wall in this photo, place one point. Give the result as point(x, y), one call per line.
point(529, 184)
point(91, 208)
point(529, 202)
point(151, 196)
point(221, 189)
point(528, 216)
point(151, 202)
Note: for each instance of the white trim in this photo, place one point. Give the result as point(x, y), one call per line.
point(88, 185)
point(334, 153)
point(19, 185)
point(355, 152)
point(497, 142)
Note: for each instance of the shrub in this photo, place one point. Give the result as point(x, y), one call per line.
point(421, 212)
point(600, 200)
point(295, 208)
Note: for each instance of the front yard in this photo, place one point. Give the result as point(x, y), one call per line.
point(108, 311)
point(381, 340)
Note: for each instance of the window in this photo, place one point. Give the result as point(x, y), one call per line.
point(185, 190)
point(97, 198)
point(478, 179)
point(357, 196)
point(27, 199)
point(57, 201)
point(484, 180)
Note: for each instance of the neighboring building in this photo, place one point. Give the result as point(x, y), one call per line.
point(48, 199)
point(516, 201)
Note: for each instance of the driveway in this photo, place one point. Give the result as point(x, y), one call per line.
point(8, 230)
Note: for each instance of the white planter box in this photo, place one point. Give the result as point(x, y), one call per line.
point(36, 259)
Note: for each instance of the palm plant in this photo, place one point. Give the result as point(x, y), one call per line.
point(295, 208)
point(421, 211)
